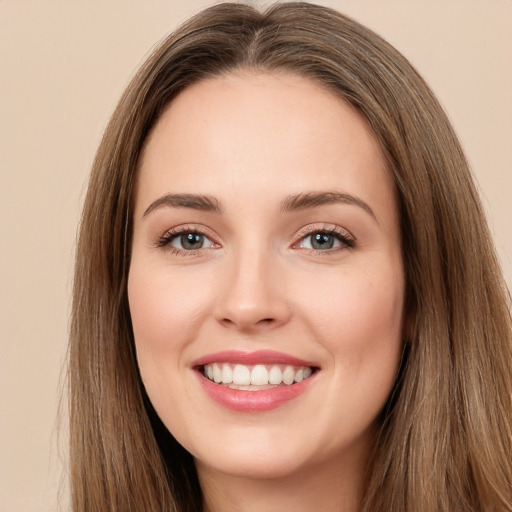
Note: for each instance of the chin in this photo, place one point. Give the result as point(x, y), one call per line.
point(263, 466)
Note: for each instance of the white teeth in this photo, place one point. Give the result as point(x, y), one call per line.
point(217, 375)
point(275, 375)
point(227, 374)
point(259, 375)
point(241, 376)
point(288, 375)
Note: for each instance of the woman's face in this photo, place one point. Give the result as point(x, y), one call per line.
point(266, 249)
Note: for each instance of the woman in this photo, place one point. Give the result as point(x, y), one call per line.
point(286, 294)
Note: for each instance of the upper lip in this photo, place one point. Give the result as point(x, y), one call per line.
point(252, 358)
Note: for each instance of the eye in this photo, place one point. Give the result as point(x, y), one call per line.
point(320, 242)
point(183, 241)
point(326, 239)
point(190, 241)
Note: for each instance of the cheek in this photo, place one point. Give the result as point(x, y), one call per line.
point(166, 314)
point(359, 324)
point(358, 319)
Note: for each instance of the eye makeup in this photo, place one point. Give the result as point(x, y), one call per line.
point(192, 239)
point(319, 238)
point(324, 238)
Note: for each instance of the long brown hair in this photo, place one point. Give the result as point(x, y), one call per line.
point(445, 441)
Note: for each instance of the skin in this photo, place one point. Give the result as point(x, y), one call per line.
point(251, 141)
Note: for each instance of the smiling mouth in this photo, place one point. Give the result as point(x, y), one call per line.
point(257, 377)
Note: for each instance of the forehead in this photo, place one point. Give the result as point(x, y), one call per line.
point(246, 131)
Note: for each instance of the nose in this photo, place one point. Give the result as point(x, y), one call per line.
point(253, 295)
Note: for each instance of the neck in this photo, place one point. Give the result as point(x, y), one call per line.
point(334, 485)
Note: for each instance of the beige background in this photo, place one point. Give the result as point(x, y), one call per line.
point(63, 65)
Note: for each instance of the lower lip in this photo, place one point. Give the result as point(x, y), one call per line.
point(253, 401)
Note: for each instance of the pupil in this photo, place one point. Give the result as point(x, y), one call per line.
point(322, 241)
point(192, 241)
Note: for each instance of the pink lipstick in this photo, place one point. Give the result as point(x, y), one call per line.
point(254, 381)
point(252, 358)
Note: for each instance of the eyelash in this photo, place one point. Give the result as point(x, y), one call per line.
point(166, 240)
point(343, 236)
point(346, 240)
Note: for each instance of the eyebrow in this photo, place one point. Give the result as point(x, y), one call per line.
point(194, 201)
point(315, 199)
point(296, 202)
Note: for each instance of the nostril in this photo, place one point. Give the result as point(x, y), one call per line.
point(250, 325)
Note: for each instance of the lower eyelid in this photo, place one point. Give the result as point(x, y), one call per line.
point(340, 245)
point(173, 234)
point(177, 236)
point(342, 236)
point(337, 241)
